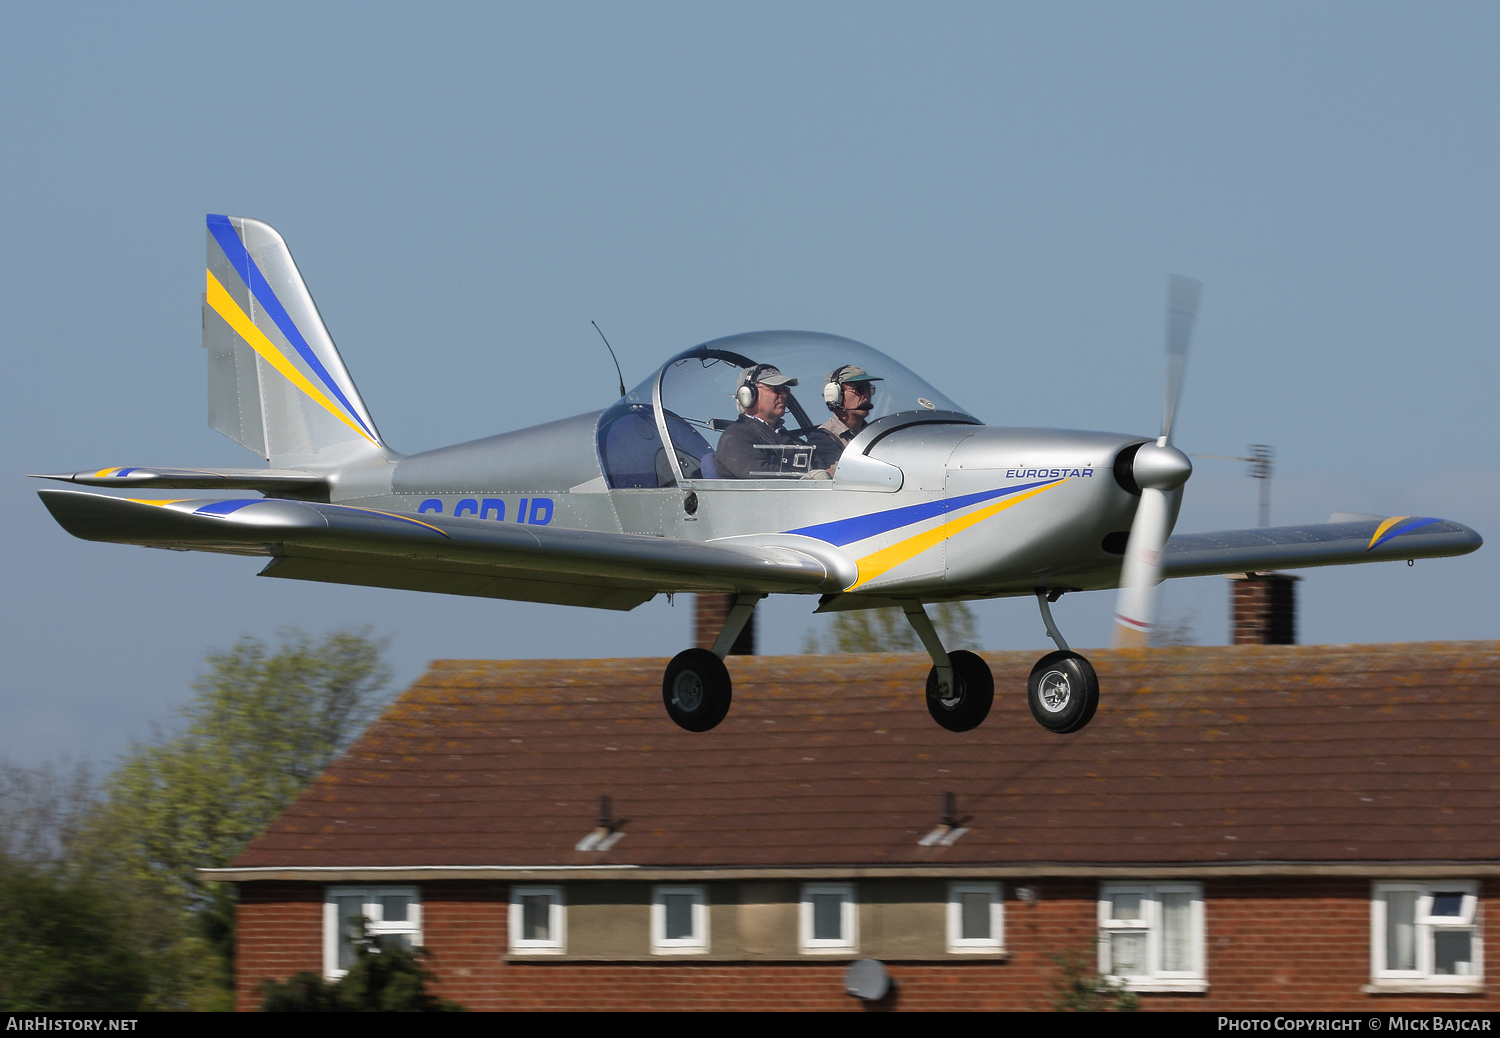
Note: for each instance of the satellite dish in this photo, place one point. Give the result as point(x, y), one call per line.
point(867, 979)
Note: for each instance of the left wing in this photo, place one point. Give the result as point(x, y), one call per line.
point(1367, 539)
point(342, 544)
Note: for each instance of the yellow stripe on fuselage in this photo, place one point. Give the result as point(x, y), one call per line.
point(225, 306)
point(1383, 527)
point(158, 504)
point(872, 566)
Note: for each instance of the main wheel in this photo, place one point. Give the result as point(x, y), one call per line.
point(968, 702)
point(1063, 692)
point(696, 690)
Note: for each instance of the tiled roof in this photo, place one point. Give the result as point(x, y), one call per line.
point(1246, 754)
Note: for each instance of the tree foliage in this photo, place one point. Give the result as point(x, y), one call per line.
point(1080, 989)
point(386, 977)
point(64, 946)
point(887, 630)
point(42, 809)
point(263, 723)
point(262, 726)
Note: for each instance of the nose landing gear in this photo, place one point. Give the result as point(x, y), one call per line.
point(1063, 690)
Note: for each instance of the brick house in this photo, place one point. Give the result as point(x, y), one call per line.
point(1269, 827)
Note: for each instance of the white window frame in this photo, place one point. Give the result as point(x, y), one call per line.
point(957, 942)
point(1427, 927)
point(557, 921)
point(1151, 924)
point(698, 943)
point(375, 926)
point(848, 919)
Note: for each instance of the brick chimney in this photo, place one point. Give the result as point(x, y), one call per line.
point(1263, 609)
point(709, 614)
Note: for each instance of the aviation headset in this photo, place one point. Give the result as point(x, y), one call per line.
point(745, 394)
point(833, 389)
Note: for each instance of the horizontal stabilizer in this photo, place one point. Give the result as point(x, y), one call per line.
point(269, 481)
point(344, 544)
point(1370, 539)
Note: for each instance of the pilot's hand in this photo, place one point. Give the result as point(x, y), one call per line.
point(818, 474)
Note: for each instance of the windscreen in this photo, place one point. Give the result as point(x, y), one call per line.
point(697, 396)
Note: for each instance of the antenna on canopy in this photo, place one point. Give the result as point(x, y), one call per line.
point(612, 357)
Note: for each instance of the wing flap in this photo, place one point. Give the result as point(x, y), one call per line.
point(474, 546)
point(380, 573)
point(1316, 544)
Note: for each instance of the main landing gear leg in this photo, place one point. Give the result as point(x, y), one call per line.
point(960, 688)
point(696, 688)
point(1063, 690)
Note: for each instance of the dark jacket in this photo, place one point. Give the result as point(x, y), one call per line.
point(736, 457)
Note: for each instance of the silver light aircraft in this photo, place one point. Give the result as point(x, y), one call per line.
point(919, 502)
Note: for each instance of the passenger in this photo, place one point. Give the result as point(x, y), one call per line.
point(848, 394)
point(761, 397)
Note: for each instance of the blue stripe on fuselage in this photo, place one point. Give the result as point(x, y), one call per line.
point(857, 528)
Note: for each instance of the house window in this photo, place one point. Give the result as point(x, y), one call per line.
point(383, 914)
point(1425, 936)
point(679, 921)
point(1151, 935)
point(976, 918)
point(829, 918)
point(538, 920)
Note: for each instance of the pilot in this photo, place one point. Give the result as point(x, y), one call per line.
point(761, 397)
point(848, 394)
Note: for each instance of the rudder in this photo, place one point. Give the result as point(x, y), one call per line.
point(276, 383)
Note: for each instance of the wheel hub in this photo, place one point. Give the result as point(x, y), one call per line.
point(952, 698)
point(1055, 691)
point(687, 691)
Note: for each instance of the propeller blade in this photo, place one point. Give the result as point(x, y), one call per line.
point(1182, 309)
point(1135, 609)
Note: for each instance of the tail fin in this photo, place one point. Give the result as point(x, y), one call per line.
point(276, 383)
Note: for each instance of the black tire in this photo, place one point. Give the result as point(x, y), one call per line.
point(696, 690)
point(1063, 692)
point(973, 693)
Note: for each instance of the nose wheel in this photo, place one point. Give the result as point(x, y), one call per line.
point(1063, 692)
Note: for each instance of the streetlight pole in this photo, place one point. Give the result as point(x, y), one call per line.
point(1260, 468)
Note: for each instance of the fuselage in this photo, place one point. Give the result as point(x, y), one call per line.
point(920, 505)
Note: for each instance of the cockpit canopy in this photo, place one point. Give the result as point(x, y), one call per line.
point(694, 395)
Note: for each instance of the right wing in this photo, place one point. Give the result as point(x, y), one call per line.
point(1370, 539)
point(342, 544)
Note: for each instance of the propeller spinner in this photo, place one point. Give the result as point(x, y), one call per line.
point(1160, 470)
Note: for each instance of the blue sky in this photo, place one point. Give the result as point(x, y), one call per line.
point(992, 193)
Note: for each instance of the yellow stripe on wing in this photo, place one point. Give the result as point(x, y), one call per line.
point(1383, 527)
point(158, 504)
point(225, 306)
point(872, 566)
point(398, 515)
